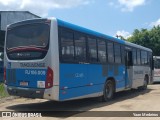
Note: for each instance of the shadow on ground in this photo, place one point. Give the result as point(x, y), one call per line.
point(156, 83)
point(72, 108)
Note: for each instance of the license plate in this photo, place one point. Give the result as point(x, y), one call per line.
point(23, 83)
point(41, 84)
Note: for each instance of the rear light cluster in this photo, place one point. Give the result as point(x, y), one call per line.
point(49, 80)
point(5, 75)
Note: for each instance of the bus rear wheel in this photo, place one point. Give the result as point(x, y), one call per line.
point(108, 91)
point(145, 83)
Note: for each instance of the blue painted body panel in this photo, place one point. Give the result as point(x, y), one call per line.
point(25, 75)
point(71, 77)
point(79, 92)
point(85, 79)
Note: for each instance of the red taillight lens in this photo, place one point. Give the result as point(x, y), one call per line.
point(4, 75)
point(49, 80)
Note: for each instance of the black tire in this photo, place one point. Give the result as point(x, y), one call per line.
point(108, 91)
point(144, 87)
point(145, 83)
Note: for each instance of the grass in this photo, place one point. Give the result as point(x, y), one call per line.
point(3, 93)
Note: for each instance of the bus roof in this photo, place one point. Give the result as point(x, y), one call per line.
point(82, 29)
point(97, 34)
point(137, 46)
point(88, 31)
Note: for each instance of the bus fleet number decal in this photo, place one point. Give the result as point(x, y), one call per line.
point(35, 72)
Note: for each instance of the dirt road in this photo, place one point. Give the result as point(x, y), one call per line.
point(148, 100)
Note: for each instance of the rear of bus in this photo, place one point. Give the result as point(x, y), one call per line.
point(29, 59)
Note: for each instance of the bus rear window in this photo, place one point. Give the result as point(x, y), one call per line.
point(22, 41)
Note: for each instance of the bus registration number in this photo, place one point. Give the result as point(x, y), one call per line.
point(23, 83)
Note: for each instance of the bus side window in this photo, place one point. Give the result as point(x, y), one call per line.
point(144, 57)
point(67, 45)
point(117, 53)
point(138, 57)
point(110, 52)
point(123, 54)
point(130, 58)
point(92, 45)
point(102, 51)
point(80, 47)
point(134, 56)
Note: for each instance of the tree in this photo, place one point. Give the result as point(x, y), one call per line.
point(147, 38)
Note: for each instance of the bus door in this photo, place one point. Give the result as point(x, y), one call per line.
point(128, 68)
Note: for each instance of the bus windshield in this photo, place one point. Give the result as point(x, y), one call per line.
point(27, 41)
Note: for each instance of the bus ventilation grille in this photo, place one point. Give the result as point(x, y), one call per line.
point(11, 76)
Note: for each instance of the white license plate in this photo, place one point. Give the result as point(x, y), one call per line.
point(41, 84)
point(23, 83)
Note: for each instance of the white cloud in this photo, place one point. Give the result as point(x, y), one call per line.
point(40, 7)
point(111, 3)
point(128, 5)
point(156, 23)
point(123, 33)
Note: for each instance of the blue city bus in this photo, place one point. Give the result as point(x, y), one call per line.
point(55, 60)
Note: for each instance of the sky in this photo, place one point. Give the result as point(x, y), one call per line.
point(111, 17)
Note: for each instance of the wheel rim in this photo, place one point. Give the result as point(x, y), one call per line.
point(109, 90)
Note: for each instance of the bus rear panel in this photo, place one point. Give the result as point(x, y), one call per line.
point(28, 62)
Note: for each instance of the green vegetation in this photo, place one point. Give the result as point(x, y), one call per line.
point(147, 38)
point(2, 91)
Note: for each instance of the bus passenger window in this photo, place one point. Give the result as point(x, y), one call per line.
point(117, 53)
point(144, 57)
point(92, 49)
point(101, 51)
point(138, 57)
point(80, 47)
point(134, 56)
point(67, 46)
point(110, 52)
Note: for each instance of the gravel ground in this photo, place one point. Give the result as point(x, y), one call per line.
point(134, 100)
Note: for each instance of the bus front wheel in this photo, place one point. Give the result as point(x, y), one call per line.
point(108, 91)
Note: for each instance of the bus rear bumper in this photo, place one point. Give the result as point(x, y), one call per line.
point(25, 92)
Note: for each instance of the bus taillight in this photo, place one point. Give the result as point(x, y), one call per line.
point(4, 75)
point(49, 80)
